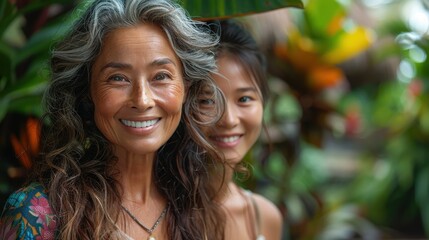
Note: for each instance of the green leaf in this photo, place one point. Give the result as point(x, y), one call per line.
point(40, 42)
point(276, 166)
point(24, 96)
point(33, 83)
point(8, 13)
point(213, 9)
point(27, 105)
point(7, 62)
point(287, 108)
point(13, 12)
point(422, 187)
point(322, 15)
point(422, 195)
point(392, 107)
point(3, 6)
point(4, 102)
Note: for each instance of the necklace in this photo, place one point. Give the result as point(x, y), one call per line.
point(148, 230)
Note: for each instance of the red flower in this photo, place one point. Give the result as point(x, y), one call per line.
point(40, 208)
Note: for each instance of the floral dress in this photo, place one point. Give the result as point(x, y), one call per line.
point(27, 215)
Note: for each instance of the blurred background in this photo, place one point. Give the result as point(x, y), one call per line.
point(347, 155)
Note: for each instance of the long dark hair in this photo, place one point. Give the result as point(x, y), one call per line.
point(238, 43)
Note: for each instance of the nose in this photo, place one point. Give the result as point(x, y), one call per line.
point(230, 118)
point(142, 96)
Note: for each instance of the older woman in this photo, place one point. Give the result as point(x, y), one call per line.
point(123, 156)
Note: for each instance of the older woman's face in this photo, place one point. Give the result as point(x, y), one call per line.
point(137, 88)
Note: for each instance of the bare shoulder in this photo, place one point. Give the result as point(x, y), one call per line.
point(268, 210)
point(271, 218)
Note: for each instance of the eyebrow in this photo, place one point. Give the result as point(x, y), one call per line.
point(247, 89)
point(116, 65)
point(162, 61)
point(156, 62)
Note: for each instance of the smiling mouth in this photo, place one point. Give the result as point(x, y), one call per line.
point(227, 139)
point(139, 124)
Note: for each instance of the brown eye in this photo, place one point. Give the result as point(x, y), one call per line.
point(207, 101)
point(244, 99)
point(162, 76)
point(117, 78)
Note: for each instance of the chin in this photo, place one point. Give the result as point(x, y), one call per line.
point(233, 160)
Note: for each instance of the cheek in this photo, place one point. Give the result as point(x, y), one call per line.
point(255, 119)
point(172, 98)
point(104, 102)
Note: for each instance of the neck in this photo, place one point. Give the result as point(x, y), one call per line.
point(225, 184)
point(136, 178)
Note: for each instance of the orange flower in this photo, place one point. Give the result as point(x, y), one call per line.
point(26, 147)
point(324, 76)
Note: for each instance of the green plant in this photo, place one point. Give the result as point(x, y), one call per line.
point(349, 118)
point(27, 31)
point(216, 9)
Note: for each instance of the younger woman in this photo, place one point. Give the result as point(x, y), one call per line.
point(243, 81)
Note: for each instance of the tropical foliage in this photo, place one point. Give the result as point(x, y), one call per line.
point(348, 120)
point(27, 30)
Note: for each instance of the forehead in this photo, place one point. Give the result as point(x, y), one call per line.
point(232, 73)
point(143, 31)
point(142, 41)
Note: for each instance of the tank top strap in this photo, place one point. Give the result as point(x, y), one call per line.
point(257, 224)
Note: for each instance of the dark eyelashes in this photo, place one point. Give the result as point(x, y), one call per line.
point(245, 99)
point(163, 76)
point(117, 78)
point(157, 77)
point(207, 101)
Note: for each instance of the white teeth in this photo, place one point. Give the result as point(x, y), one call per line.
point(227, 139)
point(139, 124)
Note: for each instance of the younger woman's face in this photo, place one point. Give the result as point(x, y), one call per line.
point(241, 124)
point(137, 87)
